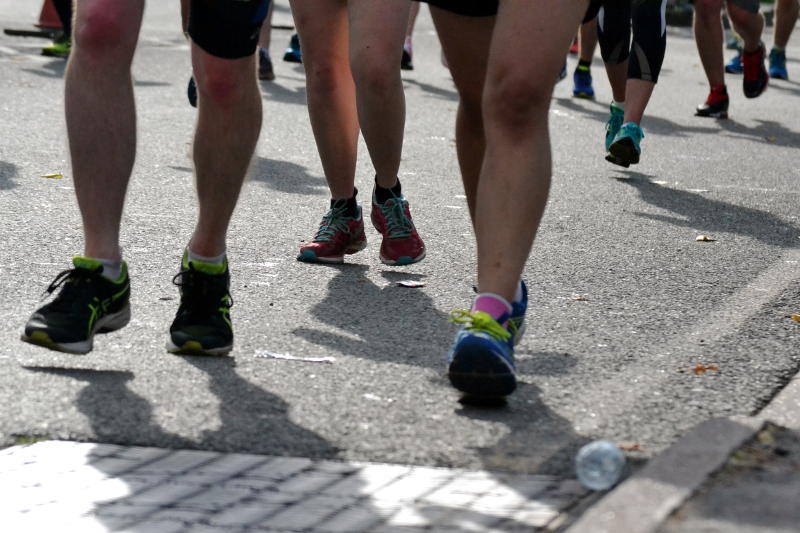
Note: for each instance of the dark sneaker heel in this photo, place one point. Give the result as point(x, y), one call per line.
point(480, 374)
point(623, 153)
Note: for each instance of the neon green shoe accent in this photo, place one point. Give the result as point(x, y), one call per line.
point(58, 49)
point(93, 264)
point(480, 322)
point(86, 263)
point(205, 268)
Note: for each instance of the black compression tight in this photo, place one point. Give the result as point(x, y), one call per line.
point(646, 53)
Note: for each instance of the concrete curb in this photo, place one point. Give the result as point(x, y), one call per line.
point(644, 501)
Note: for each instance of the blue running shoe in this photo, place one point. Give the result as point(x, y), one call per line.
point(582, 79)
point(481, 361)
point(614, 123)
point(517, 317)
point(293, 54)
point(777, 65)
point(625, 150)
point(734, 66)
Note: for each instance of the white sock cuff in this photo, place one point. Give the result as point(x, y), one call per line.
point(197, 258)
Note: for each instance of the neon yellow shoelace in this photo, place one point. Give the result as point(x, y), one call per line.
point(478, 321)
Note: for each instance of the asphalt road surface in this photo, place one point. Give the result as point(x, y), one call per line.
point(636, 331)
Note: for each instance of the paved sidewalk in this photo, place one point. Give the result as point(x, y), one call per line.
point(71, 487)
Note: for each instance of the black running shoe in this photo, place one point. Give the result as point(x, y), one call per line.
point(191, 92)
point(756, 77)
point(202, 325)
point(405, 61)
point(88, 303)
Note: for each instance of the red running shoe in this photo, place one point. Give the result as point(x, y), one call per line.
point(401, 244)
point(716, 105)
point(338, 234)
point(755, 73)
point(574, 47)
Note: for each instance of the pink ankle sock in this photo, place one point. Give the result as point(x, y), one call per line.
point(492, 304)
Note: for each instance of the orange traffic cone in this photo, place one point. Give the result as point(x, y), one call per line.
point(48, 20)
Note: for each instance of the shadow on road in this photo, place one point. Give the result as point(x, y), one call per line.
point(275, 92)
point(250, 417)
point(8, 173)
point(695, 210)
point(287, 177)
point(769, 133)
point(51, 69)
point(372, 327)
point(437, 92)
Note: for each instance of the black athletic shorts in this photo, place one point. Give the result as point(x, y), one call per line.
point(488, 8)
point(227, 28)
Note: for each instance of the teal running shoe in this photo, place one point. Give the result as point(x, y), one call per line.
point(777, 65)
point(625, 150)
point(481, 361)
point(614, 124)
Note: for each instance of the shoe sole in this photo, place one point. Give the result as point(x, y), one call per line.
point(719, 114)
point(107, 324)
point(266, 77)
point(403, 261)
point(755, 94)
point(482, 376)
point(583, 96)
point(622, 154)
point(309, 256)
point(195, 348)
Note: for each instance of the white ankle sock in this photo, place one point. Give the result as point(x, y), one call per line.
point(216, 260)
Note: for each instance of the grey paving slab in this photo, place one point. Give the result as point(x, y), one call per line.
point(183, 493)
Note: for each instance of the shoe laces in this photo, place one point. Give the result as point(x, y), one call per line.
point(480, 322)
point(73, 295)
point(333, 222)
point(202, 292)
point(398, 224)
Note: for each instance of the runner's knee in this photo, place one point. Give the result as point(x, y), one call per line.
point(376, 77)
point(223, 84)
point(515, 102)
point(101, 31)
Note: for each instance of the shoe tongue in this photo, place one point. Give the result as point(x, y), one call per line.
point(87, 263)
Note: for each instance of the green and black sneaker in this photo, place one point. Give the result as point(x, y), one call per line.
point(88, 303)
point(202, 325)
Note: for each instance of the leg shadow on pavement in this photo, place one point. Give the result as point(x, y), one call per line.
point(367, 315)
point(650, 123)
point(115, 413)
point(8, 173)
point(143, 489)
point(768, 132)
point(253, 419)
point(289, 177)
point(52, 69)
point(275, 92)
point(694, 210)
